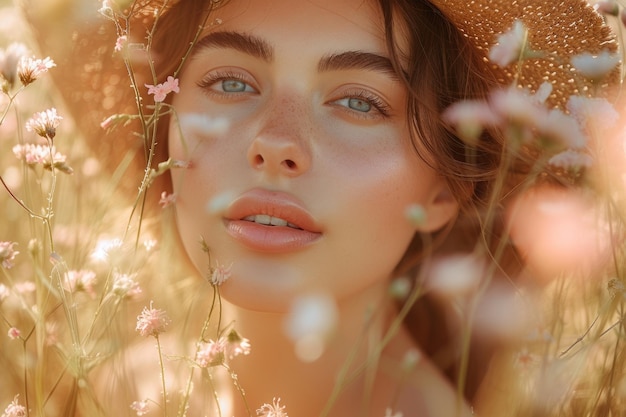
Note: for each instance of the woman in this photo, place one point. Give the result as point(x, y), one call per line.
point(306, 132)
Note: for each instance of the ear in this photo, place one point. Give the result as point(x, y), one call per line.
point(439, 209)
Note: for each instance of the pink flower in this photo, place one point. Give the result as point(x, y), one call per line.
point(14, 333)
point(120, 43)
point(14, 409)
point(29, 69)
point(272, 410)
point(83, 280)
point(220, 274)
point(7, 254)
point(160, 91)
point(167, 199)
point(152, 321)
point(44, 155)
point(140, 407)
point(210, 353)
point(44, 123)
point(510, 46)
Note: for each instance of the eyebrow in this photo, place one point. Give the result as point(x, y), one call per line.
point(241, 42)
point(259, 48)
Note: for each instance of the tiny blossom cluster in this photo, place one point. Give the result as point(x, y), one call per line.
point(120, 43)
point(140, 407)
point(47, 156)
point(214, 352)
point(152, 321)
point(81, 280)
point(44, 123)
point(161, 91)
point(30, 69)
point(14, 409)
point(126, 285)
point(220, 274)
point(7, 254)
point(14, 333)
point(272, 410)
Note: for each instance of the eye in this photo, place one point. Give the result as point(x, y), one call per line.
point(363, 104)
point(227, 83)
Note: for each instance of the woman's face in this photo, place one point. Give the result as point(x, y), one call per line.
point(293, 116)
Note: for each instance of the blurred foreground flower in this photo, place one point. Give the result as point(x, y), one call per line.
point(7, 254)
point(510, 46)
point(82, 280)
point(595, 66)
point(272, 410)
point(310, 323)
point(9, 60)
point(140, 407)
point(558, 231)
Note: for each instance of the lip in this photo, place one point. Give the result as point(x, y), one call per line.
point(266, 238)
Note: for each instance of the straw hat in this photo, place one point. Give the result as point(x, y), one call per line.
point(94, 80)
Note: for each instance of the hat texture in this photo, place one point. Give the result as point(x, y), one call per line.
point(560, 29)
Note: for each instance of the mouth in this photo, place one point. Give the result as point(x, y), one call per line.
point(270, 221)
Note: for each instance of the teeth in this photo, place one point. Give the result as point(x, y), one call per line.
point(269, 220)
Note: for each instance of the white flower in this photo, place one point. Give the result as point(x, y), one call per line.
point(510, 45)
point(595, 67)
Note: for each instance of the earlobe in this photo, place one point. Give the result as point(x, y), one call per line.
point(439, 210)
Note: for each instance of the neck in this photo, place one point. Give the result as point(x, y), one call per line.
point(274, 369)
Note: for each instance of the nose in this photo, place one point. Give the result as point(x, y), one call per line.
point(280, 147)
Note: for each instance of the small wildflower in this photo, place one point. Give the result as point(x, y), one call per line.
point(509, 46)
point(125, 285)
point(456, 275)
point(7, 254)
point(595, 67)
point(160, 91)
point(44, 155)
point(14, 333)
point(150, 244)
point(526, 360)
point(236, 345)
point(571, 159)
point(140, 407)
point(272, 410)
point(152, 321)
point(220, 274)
point(82, 280)
point(210, 353)
point(120, 43)
point(30, 69)
point(167, 199)
point(44, 123)
point(14, 409)
point(411, 359)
